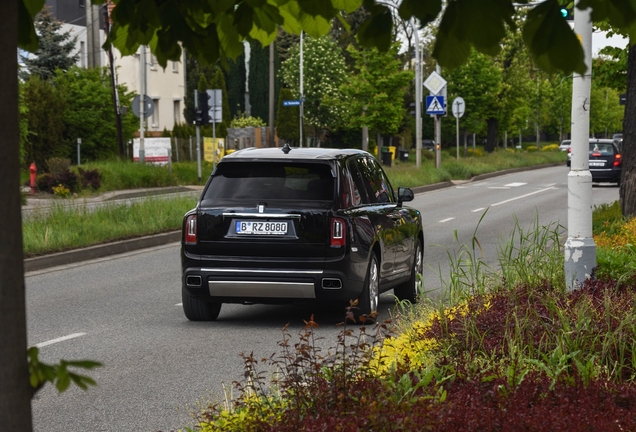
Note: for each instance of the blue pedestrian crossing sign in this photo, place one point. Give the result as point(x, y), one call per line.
point(435, 105)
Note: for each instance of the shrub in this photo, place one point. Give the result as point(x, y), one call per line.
point(243, 121)
point(532, 148)
point(477, 152)
point(45, 182)
point(58, 166)
point(90, 178)
point(550, 147)
point(61, 191)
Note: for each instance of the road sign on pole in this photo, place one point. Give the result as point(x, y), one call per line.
point(435, 105)
point(459, 106)
point(291, 103)
point(435, 83)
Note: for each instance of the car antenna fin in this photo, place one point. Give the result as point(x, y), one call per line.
point(286, 148)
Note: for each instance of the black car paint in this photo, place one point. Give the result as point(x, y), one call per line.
point(389, 230)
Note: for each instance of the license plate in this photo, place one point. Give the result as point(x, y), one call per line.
point(264, 228)
point(597, 163)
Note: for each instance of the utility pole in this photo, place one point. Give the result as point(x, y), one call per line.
point(196, 107)
point(113, 84)
point(142, 102)
point(302, 98)
point(270, 136)
point(580, 249)
point(92, 35)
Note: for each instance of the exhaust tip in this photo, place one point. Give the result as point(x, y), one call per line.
point(193, 281)
point(331, 283)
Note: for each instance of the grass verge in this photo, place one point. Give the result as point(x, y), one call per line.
point(66, 228)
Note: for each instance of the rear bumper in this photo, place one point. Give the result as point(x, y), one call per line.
point(267, 285)
point(606, 175)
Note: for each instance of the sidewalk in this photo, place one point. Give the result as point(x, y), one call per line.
point(41, 203)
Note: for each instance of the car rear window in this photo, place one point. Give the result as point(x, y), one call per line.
point(603, 149)
point(271, 180)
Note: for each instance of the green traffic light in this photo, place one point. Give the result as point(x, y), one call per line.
point(564, 12)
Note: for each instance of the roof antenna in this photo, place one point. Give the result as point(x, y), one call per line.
point(286, 149)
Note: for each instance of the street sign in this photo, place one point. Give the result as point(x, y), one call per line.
point(459, 106)
point(149, 106)
point(291, 103)
point(215, 104)
point(435, 83)
point(435, 105)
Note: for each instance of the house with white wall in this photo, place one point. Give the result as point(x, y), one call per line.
point(166, 86)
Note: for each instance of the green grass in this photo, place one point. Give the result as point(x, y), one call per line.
point(406, 174)
point(70, 228)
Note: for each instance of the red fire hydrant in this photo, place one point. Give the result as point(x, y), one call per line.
point(33, 173)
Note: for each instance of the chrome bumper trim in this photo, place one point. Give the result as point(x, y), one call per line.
point(266, 271)
point(262, 289)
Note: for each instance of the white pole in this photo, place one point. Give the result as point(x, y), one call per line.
point(457, 126)
point(580, 249)
point(418, 97)
point(142, 94)
point(79, 143)
point(302, 99)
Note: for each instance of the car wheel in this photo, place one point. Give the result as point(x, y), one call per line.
point(408, 290)
point(370, 298)
point(199, 310)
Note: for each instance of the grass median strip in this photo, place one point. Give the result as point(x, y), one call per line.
point(70, 228)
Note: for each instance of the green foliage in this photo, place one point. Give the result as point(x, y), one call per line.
point(58, 374)
point(610, 68)
point(288, 120)
point(235, 78)
point(259, 80)
point(374, 96)
point(324, 72)
point(45, 119)
point(54, 51)
point(607, 218)
point(550, 147)
point(23, 110)
point(243, 121)
point(89, 113)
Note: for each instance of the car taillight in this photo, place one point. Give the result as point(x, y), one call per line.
point(191, 229)
point(569, 149)
point(618, 160)
point(338, 232)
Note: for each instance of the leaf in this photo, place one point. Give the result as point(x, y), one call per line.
point(424, 10)
point(378, 30)
point(543, 28)
point(621, 14)
point(347, 6)
point(27, 38)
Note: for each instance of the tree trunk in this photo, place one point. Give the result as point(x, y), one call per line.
point(15, 391)
point(628, 177)
point(491, 141)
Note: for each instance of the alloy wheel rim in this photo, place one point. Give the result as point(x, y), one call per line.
point(418, 268)
point(373, 287)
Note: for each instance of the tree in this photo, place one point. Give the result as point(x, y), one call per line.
point(45, 118)
point(323, 72)
point(55, 48)
point(88, 114)
point(374, 96)
point(212, 30)
point(259, 81)
point(288, 119)
point(235, 79)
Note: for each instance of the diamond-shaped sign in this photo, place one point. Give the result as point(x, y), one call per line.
point(435, 83)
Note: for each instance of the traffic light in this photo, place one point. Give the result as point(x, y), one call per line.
point(203, 113)
point(567, 13)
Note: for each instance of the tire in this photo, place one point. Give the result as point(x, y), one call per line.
point(370, 297)
point(199, 310)
point(408, 290)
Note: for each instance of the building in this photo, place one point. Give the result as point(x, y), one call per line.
point(166, 86)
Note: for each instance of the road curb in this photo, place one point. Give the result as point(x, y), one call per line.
point(119, 247)
point(99, 251)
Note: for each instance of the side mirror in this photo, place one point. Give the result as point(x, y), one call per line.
point(405, 194)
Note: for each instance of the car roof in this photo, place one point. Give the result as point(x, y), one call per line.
point(294, 153)
point(601, 141)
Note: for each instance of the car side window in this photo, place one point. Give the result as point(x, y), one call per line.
point(376, 184)
point(358, 191)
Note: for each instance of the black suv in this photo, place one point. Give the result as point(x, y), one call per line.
point(299, 224)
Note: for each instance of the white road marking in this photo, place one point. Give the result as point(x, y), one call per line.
point(476, 210)
point(179, 304)
point(446, 220)
point(60, 339)
point(498, 187)
point(516, 184)
point(522, 196)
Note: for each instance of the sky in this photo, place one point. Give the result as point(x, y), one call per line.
point(599, 40)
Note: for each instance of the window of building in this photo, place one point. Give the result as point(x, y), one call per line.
point(177, 111)
point(153, 62)
point(82, 54)
point(175, 67)
point(155, 114)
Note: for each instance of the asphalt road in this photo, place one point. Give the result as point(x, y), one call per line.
point(125, 311)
